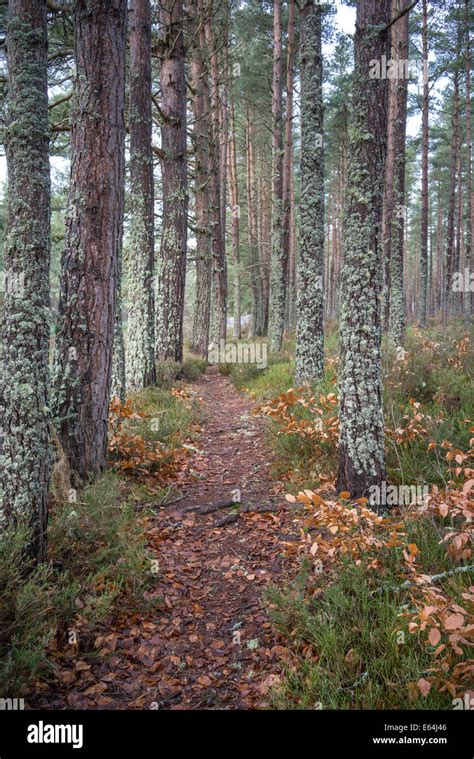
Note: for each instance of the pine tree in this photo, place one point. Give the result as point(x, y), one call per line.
point(200, 139)
point(24, 413)
point(309, 327)
point(172, 269)
point(140, 365)
point(361, 445)
point(278, 270)
point(89, 267)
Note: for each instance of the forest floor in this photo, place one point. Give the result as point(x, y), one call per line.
point(211, 644)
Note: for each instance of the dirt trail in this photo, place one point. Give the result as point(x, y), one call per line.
point(210, 645)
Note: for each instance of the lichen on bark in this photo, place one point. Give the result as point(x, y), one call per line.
point(25, 454)
point(310, 303)
point(361, 445)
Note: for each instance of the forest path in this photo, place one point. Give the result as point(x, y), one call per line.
point(210, 645)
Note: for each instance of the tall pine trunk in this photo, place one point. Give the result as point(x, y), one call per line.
point(449, 258)
point(219, 261)
point(277, 295)
point(24, 418)
point(200, 138)
point(141, 302)
point(396, 293)
point(235, 209)
point(310, 305)
point(361, 444)
point(468, 296)
point(89, 267)
point(424, 175)
point(288, 160)
point(172, 265)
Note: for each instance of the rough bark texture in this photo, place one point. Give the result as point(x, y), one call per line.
point(201, 113)
point(361, 451)
point(288, 160)
point(235, 209)
point(468, 296)
point(276, 317)
point(219, 261)
point(310, 305)
point(24, 413)
point(252, 231)
point(423, 307)
point(172, 264)
point(89, 272)
point(448, 272)
point(140, 365)
point(397, 299)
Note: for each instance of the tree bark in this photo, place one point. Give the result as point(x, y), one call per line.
point(449, 258)
point(287, 160)
point(173, 252)
point(24, 417)
point(276, 318)
point(397, 320)
point(310, 307)
point(89, 266)
point(235, 209)
point(219, 305)
point(424, 175)
point(201, 130)
point(361, 444)
point(468, 296)
point(140, 367)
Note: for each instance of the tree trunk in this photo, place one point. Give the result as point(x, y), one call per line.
point(448, 274)
point(93, 226)
point(254, 263)
point(424, 175)
point(278, 270)
point(201, 130)
point(219, 306)
point(24, 418)
point(287, 161)
point(235, 208)
point(141, 370)
point(310, 308)
point(174, 235)
point(397, 297)
point(361, 445)
point(468, 295)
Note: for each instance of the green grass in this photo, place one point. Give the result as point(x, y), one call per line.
point(350, 649)
point(363, 656)
point(97, 559)
point(170, 419)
